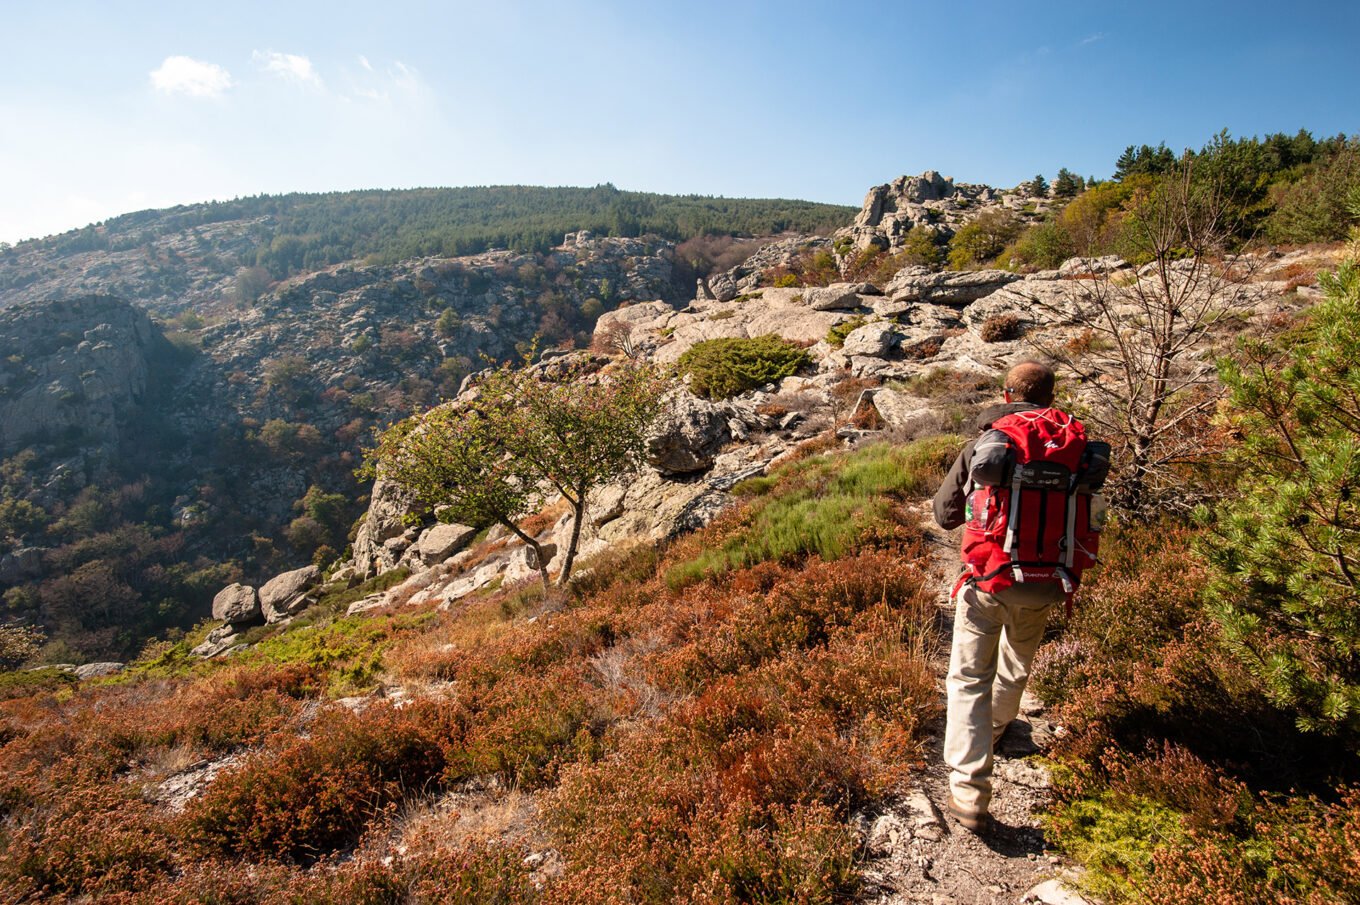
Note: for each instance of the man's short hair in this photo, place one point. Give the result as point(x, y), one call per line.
point(1031, 381)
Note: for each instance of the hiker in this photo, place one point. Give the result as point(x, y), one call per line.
point(1024, 493)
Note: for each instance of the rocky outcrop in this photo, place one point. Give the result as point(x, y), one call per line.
point(99, 670)
point(21, 564)
point(383, 523)
point(745, 277)
point(78, 365)
point(930, 200)
point(836, 297)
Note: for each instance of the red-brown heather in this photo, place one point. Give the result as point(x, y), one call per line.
point(694, 740)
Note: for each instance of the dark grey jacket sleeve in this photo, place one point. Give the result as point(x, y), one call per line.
point(951, 498)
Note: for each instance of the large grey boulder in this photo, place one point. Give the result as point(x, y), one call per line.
point(909, 415)
point(236, 604)
point(920, 284)
point(835, 297)
point(1046, 302)
point(99, 670)
point(286, 594)
point(688, 435)
point(872, 340)
point(1073, 267)
point(442, 541)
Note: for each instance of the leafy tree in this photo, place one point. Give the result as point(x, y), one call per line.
point(19, 517)
point(921, 246)
point(1043, 246)
point(1092, 221)
point(251, 283)
point(527, 433)
point(982, 238)
point(447, 324)
point(287, 375)
point(1318, 207)
point(1286, 549)
point(1038, 185)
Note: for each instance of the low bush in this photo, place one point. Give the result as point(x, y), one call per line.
point(1173, 753)
point(316, 794)
point(722, 368)
point(835, 337)
point(1000, 328)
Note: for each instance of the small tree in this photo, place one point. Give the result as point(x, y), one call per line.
point(1287, 548)
point(1147, 393)
point(526, 434)
point(922, 247)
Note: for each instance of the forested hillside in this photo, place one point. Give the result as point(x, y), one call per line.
point(303, 232)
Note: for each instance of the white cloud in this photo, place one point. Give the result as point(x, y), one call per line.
point(1090, 39)
point(406, 78)
point(398, 82)
point(288, 66)
point(185, 75)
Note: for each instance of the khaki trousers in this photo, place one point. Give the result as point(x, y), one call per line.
point(995, 636)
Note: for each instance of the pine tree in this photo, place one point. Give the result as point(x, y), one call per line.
point(1067, 184)
point(1287, 551)
point(1123, 167)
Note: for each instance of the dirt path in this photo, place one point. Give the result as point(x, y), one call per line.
point(919, 855)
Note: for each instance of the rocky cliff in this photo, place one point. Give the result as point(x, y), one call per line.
point(76, 367)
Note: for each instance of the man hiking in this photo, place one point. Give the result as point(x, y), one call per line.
point(1024, 493)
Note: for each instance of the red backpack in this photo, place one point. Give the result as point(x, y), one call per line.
point(1033, 512)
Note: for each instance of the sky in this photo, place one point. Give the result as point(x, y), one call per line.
point(112, 106)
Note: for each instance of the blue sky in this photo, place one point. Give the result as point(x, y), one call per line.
point(108, 107)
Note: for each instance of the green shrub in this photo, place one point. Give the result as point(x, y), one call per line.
point(837, 334)
point(723, 368)
point(1044, 246)
point(1115, 838)
point(982, 238)
point(921, 247)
